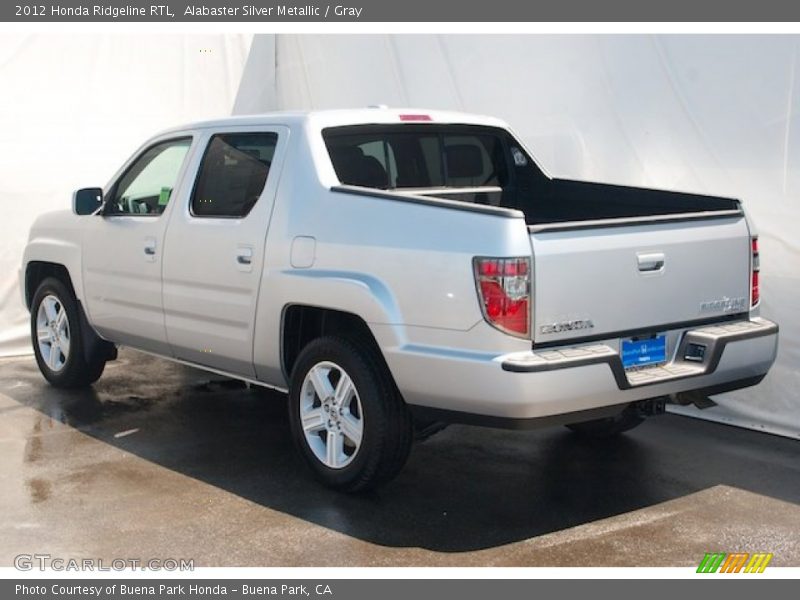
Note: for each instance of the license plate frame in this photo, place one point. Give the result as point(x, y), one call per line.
point(644, 351)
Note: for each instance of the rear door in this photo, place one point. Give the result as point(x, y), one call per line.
point(214, 247)
point(620, 280)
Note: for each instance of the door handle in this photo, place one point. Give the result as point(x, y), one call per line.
point(244, 258)
point(650, 262)
point(150, 248)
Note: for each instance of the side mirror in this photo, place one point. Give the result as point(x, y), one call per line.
point(87, 200)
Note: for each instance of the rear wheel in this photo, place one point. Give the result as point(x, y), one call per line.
point(347, 417)
point(57, 337)
point(610, 426)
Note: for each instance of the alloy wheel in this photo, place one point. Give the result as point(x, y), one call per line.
point(331, 415)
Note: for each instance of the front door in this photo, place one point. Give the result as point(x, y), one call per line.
point(123, 248)
point(214, 248)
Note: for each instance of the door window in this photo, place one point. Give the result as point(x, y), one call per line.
point(233, 173)
point(146, 187)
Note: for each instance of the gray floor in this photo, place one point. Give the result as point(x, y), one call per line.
point(163, 461)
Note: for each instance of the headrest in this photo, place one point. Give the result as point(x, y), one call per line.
point(347, 153)
point(463, 160)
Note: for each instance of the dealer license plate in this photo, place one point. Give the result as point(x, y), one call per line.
point(642, 352)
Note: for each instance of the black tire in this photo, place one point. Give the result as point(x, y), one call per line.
point(387, 430)
point(610, 426)
point(76, 371)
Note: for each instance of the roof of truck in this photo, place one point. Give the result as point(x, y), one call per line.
point(342, 117)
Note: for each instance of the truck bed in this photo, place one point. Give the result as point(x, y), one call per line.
point(564, 200)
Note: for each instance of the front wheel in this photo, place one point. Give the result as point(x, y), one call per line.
point(57, 340)
point(347, 417)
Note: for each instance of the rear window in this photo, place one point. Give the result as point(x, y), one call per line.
point(418, 157)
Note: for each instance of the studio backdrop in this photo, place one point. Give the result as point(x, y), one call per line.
point(74, 107)
point(708, 114)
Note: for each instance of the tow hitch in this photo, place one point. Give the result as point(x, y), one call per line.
point(651, 407)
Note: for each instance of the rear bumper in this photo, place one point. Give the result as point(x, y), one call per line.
point(575, 383)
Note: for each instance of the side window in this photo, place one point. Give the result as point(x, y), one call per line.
point(146, 187)
point(233, 174)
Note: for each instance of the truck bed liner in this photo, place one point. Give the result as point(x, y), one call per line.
point(561, 200)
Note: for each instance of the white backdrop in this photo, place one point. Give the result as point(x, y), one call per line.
point(74, 107)
point(716, 114)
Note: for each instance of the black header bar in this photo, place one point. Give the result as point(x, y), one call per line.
point(353, 11)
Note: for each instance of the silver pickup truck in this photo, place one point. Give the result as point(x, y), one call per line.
point(395, 270)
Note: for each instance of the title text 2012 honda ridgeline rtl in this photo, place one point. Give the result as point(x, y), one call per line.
point(394, 270)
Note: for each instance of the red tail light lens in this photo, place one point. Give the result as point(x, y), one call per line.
point(755, 291)
point(504, 291)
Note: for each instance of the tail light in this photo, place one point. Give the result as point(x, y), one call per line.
point(755, 292)
point(504, 292)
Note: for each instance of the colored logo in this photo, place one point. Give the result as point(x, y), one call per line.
point(736, 562)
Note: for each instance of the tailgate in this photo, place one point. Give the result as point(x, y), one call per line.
point(619, 280)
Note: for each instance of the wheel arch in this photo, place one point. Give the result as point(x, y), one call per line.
point(302, 323)
point(38, 271)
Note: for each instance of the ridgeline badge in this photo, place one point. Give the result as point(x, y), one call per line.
point(724, 304)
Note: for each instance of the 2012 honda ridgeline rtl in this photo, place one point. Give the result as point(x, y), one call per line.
point(396, 269)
